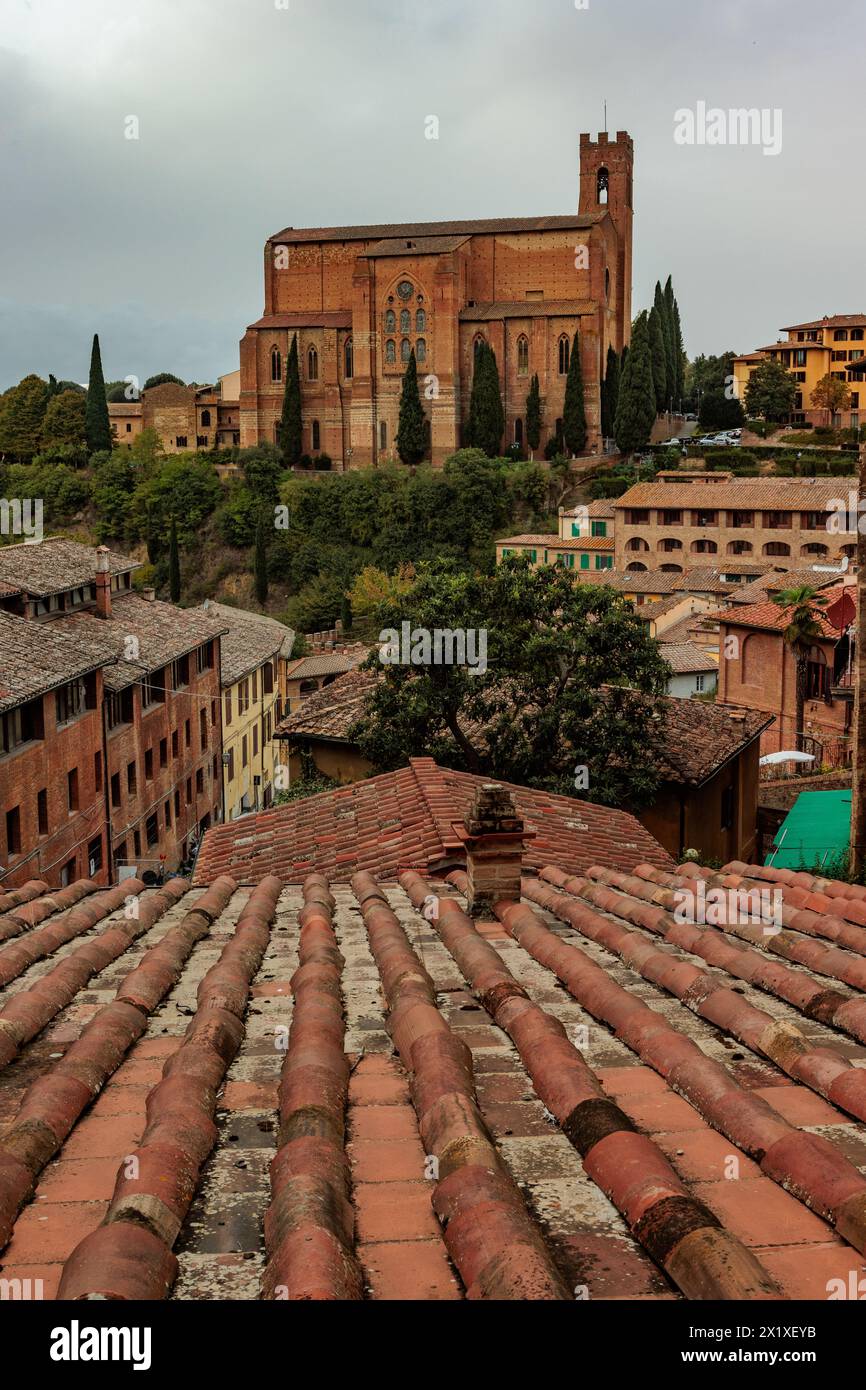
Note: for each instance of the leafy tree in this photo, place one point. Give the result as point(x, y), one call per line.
point(113, 487)
point(658, 357)
point(770, 391)
point(173, 565)
point(262, 469)
point(55, 387)
point(237, 516)
point(636, 408)
point(64, 419)
point(317, 606)
point(720, 412)
point(97, 426)
point(412, 427)
point(571, 681)
point(116, 392)
point(802, 607)
point(22, 413)
point(291, 424)
point(184, 491)
point(533, 416)
point(610, 393)
point(831, 394)
point(486, 415)
point(261, 560)
point(162, 379)
point(374, 587)
point(347, 617)
point(574, 411)
point(708, 373)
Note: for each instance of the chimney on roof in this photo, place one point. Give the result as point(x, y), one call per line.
point(493, 835)
point(149, 594)
point(103, 582)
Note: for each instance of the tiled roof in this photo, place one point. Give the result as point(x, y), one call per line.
point(745, 494)
point(50, 566)
point(307, 318)
point(698, 737)
point(648, 612)
point(326, 664)
point(526, 309)
point(295, 1164)
point(248, 640)
point(683, 657)
point(555, 542)
point(163, 631)
point(833, 321)
point(35, 658)
point(598, 507)
point(329, 713)
point(379, 231)
point(771, 617)
point(405, 819)
point(415, 246)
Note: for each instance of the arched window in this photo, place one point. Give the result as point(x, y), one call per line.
point(745, 658)
point(205, 417)
point(777, 548)
point(405, 321)
point(522, 355)
point(740, 547)
point(405, 349)
point(317, 439)
point(602, 186)
point(849, 550)
point(349, 358)
point(606, 283)
point(390, 322)
point(671, 569)
point(391, 351)
point(635, 567)
point(313, 364)
point(636, 543)
point(704, 548)
point(564, 355)
point(668, 544)
point(420, 322)
point(276, 365)
point(421, 350)
point(814, 548)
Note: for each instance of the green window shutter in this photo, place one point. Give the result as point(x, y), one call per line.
point(533, 555)
point(584, 562)
point(599, 528)
point(505, 552)
point(545, 557)
point(575, 529)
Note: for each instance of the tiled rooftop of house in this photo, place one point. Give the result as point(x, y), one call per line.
point(772, 617)
point(326, 663)
point(163, 632)
point(389, 230)
point(749, 494)
point(35, 658)
point(353, 1090)
point(329, 713)
point(699, 737)
point(49, 566)
point(248, 639)
point(684, 657)
point(551, 541)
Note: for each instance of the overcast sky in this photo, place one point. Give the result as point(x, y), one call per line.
point(258, 114)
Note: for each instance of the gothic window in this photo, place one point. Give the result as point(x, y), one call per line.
point(276, 365)
point(390, 322)
point(390, 351)
point(205, 417)
point(523, 355)
point(420, 322)
point(602, 181)
point(313, 365)
point(405, 321)
point(405, 349)
point(421, 350)
point(349, 358)
point(317, 442)
point(564, 355)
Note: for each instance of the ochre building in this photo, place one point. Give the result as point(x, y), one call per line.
point(360, 299)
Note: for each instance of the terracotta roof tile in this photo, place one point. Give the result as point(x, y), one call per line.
point(746, 494)
point(55, 564)
point(379, 231)
point(684, 657)
point(35, 658)
point(248, 639)
point(164, 633)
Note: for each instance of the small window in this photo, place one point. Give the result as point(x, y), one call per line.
point(189, 791)
point(421, 350)
point(72, 789)
point(205, 418)
point(564, 355)
point(163, 752)
point(13, 830)
point(316, 436)
point(405, 321)
point(180, 441)
point(313, 364)
point(405, 350)
point(42, 811)
point(199, 782)
point(383, 435)
point(276, 365)
point(175, 743)
point(348, 359)
point(94, 857)
point(420, 322)
point(727, 809)
point(391, 351)
point(202, 724)
point(115, 789)
point(152, 830)
point(148, 764)
point(167, 813)
point(522, 355)
point(228, 714)
point(187, 734)
point(131, 779)
point(97, 771)
point(390, 322)
point(602, 186)
point(244, 751)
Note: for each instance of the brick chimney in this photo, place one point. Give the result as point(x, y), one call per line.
point(103, 582)
point(493, 834)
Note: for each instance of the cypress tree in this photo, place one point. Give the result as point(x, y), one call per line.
point(660, 305)
point(671, 341)
point(347, 617)
point(261, 562)
point(412, 427)
point(636, 409)
point(679, 357)
point(533, 416)
point(173, 565)
point(574, 410)
point(97, 426)
point(610, 394)
point(291, 425)
point(486, 416)
point(659, 359)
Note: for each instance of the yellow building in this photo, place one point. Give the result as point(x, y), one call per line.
point(811, 351)
point(255, 653)
point(579, 553)
point(589, 519)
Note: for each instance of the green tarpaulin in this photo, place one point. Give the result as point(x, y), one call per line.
point(815, 831)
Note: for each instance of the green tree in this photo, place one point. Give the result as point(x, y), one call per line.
point(486, 415)
point(610, 394)
point(663, 311)
point(679, 359)
point(261, 560)
point(636, 407)
point(97, 425)
point(64, 419)
point(412, 427)
point(831, 395)
point(670, 338)
point(708, 373)
point(574, 410)
point(805, 627)
point(291, 424)
point(571, 680)
point(347, 617)
point(22, 413)
point(720, 412)
point(770, 391)
point(113, 487)
point(658, 357)
point(533, 416)
point(173, 565)
point(162, 379)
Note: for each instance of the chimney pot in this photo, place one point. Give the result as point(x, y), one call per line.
point(103, 582)
point(494, 834)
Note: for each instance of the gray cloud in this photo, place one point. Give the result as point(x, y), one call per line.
point(254, 117)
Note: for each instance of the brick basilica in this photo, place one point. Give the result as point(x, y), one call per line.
point(360, 298)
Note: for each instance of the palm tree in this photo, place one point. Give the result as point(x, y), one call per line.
point(803, 612)
point(858, 779)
